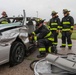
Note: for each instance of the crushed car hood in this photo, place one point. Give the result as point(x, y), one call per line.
point(9, 32)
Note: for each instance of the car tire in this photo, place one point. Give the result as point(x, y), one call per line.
point(17, 53)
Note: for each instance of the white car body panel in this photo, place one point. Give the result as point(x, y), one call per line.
point(8, 36)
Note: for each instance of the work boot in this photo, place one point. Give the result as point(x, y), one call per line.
point(69, 48)
point(54, 49)
point(62, 46)
point(42, 54)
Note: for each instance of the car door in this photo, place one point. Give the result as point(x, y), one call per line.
point(7, 36)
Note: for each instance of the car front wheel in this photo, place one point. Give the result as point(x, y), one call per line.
point(17, 53)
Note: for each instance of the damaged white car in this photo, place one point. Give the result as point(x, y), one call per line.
point(14, 42)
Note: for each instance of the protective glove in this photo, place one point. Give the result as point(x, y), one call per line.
point(71, 31)
point(30, 37)
point(60, 31)
point(57, 31)
point(36, 43)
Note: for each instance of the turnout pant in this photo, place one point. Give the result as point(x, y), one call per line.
point(66, 37)
point(43, 44)
point(55, 34)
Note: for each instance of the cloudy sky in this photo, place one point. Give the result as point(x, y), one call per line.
point(44, 7)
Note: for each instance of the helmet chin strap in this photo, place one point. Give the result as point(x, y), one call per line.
point(40, 25)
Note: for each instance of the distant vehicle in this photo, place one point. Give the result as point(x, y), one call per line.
point(14, 42)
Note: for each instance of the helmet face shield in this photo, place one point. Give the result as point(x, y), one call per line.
point(53, 14)
point(64, 12)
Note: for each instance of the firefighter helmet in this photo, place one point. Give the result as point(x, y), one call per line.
point(39, 21)
point(54, 13)
point(65, 11)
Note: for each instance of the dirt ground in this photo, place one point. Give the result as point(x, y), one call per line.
point(24, 69)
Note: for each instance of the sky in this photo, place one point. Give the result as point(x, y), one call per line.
point(44, 7)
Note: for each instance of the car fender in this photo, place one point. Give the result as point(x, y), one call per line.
point(23, 35)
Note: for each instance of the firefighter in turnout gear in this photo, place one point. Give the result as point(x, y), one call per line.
point(67, 25)
point(44, 37)
point(3, 19)
point(54, 26)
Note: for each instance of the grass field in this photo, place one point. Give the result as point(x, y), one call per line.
point(73, 35)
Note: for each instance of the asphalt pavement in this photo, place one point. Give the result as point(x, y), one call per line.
point(24, 69)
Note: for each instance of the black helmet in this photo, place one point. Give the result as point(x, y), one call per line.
point(39, 21)
point(65, 11)
point(54, 13)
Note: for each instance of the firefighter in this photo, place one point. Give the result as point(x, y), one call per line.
point(44, 37)
point(4, 19)
point(54, 26)
point(67, 25)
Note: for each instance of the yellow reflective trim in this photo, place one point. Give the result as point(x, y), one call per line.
point(53, 28)
point(66, 22)
point(69, 44)
point(49, 49)
point(48, 26)
point(59, 27)
point(63, 44)
point(42, 49)
point(54, 24)
point(4, 22)
point(33, 33)
point(55, 43)
point(48, 34)
point(72, 26)
point(51, 39)
point(35, 38)
point(65, 29)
